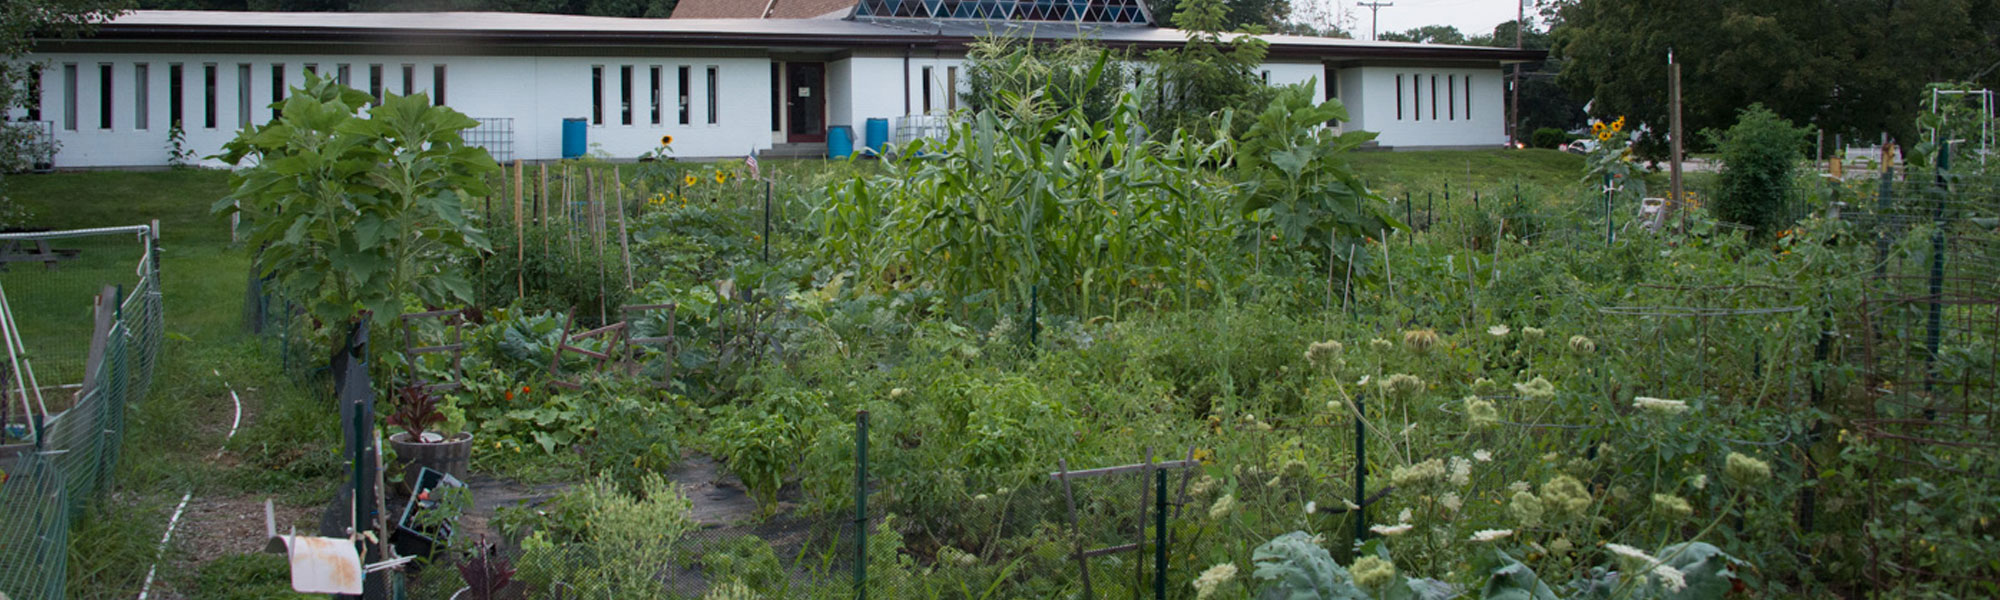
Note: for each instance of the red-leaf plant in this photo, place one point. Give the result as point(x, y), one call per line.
point(486, 573)
point(416, 409)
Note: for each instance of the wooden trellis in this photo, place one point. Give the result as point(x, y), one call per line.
point(454, 319)
point(1145, 470)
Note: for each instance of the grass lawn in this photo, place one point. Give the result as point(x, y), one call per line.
point(171, 446)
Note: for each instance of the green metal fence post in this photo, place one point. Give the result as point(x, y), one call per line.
point(861, 505)
point(1360, 473)
point(1160, 535)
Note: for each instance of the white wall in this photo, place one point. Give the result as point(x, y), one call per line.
point(1292, 73)
point(536, 92)
point(539, 92)
point(1446, 120)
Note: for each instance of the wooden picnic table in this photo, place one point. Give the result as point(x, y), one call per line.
point(13, 251)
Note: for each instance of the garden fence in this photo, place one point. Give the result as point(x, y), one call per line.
point(68, 380)
point(1929, 348)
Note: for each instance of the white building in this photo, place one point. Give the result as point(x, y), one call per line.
point(720, 87)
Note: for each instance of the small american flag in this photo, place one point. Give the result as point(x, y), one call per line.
point(751, 160)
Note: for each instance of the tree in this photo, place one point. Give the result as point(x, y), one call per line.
point(21, 22)
point(1852, 67)
point(1428, 34)
point(1544, 102)
point(1236, 14)
point(1759, 154)
point(1195, 83)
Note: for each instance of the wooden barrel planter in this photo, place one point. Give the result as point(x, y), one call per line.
point(452, 457)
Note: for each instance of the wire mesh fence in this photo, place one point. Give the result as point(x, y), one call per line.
point(62, 440)
point(1930, 354)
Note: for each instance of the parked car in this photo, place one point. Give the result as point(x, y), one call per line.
point(1582, 146)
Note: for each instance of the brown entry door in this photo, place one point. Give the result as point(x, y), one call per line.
point(805, 102)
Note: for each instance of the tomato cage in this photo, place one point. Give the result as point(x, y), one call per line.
point(1930, 350)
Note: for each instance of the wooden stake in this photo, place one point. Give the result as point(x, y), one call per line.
point(624, 235)
point(1674, 124)
point(521, 237)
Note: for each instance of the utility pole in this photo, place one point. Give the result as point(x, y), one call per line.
point(1374, 14)
point(1514, 119)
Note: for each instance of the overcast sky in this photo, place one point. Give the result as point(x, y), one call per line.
point(1469, 16)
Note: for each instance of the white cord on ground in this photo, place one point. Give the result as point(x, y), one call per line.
point(161, 550)
point(148, 587)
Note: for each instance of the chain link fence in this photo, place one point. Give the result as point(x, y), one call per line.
point(78, 355)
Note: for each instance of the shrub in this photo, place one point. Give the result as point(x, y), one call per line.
point(1758, 156)
point(1549, 137)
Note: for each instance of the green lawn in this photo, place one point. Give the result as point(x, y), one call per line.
point(173, 437)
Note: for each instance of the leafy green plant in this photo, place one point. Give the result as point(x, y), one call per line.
point(1026, 79)
point(1759, 155)
point(350, 213)
point(1300, 182)
point(178, 154)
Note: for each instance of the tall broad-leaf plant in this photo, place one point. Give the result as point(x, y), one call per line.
point(350, 210)
point(1300, 180)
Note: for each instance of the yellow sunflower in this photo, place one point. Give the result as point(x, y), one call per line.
point(1618, 125)
point(721, 177)
point(666, 140)
point(1596, 127)
point(1604, 136)
point(690, 180)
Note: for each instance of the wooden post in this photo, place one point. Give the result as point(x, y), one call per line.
point(625, 235)
point(520, 235)
point(1674, 125)
point(542, 201)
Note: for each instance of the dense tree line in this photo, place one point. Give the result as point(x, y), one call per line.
point(1853, 67)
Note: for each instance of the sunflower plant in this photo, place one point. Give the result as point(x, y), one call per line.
point(1612, 163)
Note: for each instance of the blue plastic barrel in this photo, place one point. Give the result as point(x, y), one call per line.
point(877, 134)
point(574, 140)
point(839, 141)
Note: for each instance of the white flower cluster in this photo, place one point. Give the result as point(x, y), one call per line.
point(1210, 580)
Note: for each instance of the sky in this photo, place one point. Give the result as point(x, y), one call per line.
point(1469, 16)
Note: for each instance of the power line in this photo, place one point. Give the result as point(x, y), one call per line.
point(1374, 14)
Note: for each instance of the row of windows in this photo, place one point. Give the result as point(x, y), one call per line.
point(1424, 88)
point(209, 73)
point(655, 74)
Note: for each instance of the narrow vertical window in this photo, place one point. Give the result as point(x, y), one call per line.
point(1265, 76)
point(312, 68)
point(597, 95)
point(927, 90)
point(951, 88)
point(409, 79)
point(209, 101)
point(1399, 97)
point(714, 95)
point(277, 89)
point(104, 95)
point(176, 95)
point(1451, 97)
point(655, 71)
point(437, 85)
point(1468, 97)
point(1434, 97)
point(777, 94)
point(142, 96)
point(681, 90)
point(243, 95)
point(34, 93)
point(375, 83)
point(625, 94)
point(344, 74)
point(69, 97)
point(1416, 97)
